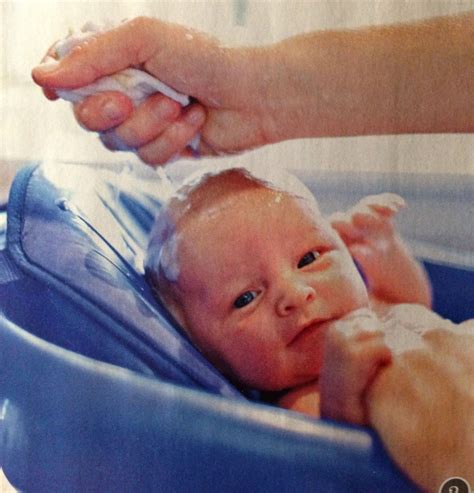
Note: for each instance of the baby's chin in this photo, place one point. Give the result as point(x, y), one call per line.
point(272, 383)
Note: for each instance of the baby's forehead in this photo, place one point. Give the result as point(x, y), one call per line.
point(230, 214)
point(243, 206)
point(237, 188)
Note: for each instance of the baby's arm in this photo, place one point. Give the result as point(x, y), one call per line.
point(393, 274)
point(303, 399)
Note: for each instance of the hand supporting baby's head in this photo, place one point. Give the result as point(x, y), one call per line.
point(254, 274)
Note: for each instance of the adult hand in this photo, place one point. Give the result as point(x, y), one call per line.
point(228, 114)
point(354, 353)
point(411, 78)
point(422, 407)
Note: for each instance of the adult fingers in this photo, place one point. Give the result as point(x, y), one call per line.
point(457, 346)
point(175, 138)
point(50, 57)
point(129, 44)
point(149, 120)
point(50, 94)
point(103, 111)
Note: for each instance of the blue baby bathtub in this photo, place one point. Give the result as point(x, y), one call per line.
point(101, 391)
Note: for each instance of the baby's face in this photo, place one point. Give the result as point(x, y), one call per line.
point(261, 277)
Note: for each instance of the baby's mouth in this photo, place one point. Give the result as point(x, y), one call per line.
point(309, 329)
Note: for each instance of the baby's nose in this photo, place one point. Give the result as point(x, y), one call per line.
point(294, 296)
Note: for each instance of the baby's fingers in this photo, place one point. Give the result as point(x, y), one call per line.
point(375, 211)
point(343, 224)
point(372, 354)
point(50, 94)
point(351, 326)
point(364, 218)
point(385, 204)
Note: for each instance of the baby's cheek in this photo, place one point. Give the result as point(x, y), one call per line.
point(354, 285)
point(276, 368)
point(248, 357)
point(261, 373)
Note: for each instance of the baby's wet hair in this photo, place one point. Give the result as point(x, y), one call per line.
point(201, 191)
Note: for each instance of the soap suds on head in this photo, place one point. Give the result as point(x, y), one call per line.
point(167, 189)
point(271, 178)
point(168, 259)
point(201, 191)
point(162, 234)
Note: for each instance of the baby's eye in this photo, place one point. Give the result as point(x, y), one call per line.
point(307, 259)
point(245, 298)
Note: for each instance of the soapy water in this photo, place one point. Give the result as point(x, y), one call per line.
point(267, 175)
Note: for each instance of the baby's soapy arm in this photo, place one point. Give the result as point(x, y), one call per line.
point(393, 274)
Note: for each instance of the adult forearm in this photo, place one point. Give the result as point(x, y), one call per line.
point(421, 406)
point(381, 80)
point(406, 78)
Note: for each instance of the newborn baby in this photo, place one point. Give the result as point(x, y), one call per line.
point(267, 288)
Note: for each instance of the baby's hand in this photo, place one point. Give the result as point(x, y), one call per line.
point(367, 229)
point(392, 272)
point(354, 353)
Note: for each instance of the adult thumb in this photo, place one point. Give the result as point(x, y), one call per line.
point(129, 44)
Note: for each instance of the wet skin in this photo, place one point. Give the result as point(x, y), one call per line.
point(261, 276)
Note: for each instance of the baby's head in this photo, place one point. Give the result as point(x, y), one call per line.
point(253, 272)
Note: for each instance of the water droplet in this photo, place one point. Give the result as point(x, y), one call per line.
point(64, 204)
